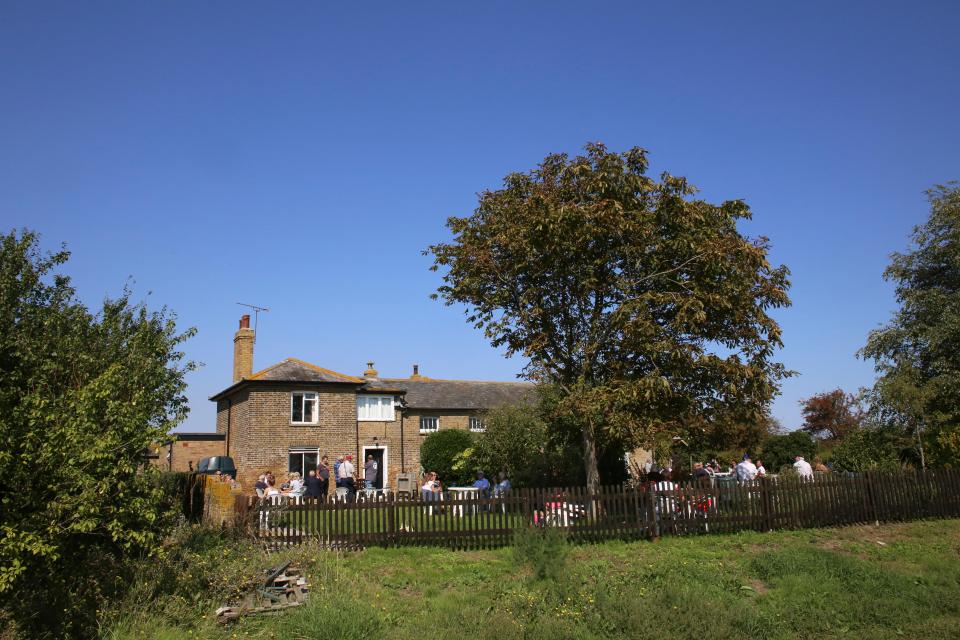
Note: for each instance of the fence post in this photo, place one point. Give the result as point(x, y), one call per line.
point(391, 532)
point(871, 503)
point(652, 522)
point(766, 504)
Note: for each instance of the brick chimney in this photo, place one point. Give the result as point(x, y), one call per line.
point(243, 350)
point(370, 373)
point(416, 372)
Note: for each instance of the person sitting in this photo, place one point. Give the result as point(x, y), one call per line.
point(502, 488)
point(427, 492)
point(260, 486)
point(297, 487)
point(482, 484)
point(272, 493)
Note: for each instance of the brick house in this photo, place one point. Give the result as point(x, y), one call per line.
point(284, 417)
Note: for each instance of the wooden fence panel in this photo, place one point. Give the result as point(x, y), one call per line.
point(623, 513)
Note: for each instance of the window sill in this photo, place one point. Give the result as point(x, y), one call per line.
point(304, 424)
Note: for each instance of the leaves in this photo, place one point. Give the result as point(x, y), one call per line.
point(82, 396)
point(917, 354)
point(644, 305)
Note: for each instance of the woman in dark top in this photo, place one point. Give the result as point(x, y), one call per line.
point(323, 474)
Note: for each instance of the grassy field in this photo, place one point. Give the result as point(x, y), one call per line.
point(862, 582)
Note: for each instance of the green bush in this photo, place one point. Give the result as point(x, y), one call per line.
point(83, 394)
point(439, 452)
point(866, 450)
point(780, 450)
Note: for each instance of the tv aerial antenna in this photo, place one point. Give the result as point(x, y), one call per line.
point(256, 316)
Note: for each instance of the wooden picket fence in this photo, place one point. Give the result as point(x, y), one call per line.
point(613, 513)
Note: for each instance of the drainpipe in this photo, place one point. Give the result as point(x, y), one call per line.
point(229, 411)
point(403, 467)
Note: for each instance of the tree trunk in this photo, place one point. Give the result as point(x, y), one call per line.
point(590, 463)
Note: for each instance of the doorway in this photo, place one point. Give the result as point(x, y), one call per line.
point(380, 457)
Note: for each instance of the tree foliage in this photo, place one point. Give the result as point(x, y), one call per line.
point(442, 450)
point(917, 354)
point(519, 441)
point(82, 395)
point(645, 306)
point(781, 449)
point(867, 450)
point(831, 414)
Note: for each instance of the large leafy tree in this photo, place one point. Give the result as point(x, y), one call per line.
point(82, 395)
point(645, 306)
point(917, 353)
point(831, 414)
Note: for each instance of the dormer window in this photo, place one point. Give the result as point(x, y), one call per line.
point(303, 407)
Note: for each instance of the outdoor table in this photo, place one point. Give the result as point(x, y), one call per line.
point(462, 493)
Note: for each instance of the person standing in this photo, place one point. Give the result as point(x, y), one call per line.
point(746, 470)
point(313, 485)
point(345, 478)
point(336, 471)
point(761, 470)
point(804, 470)
point(370, 472)
point(323, 474)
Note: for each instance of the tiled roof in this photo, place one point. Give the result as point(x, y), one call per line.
point(293, 370)
point(419, 392)
point(426, 393)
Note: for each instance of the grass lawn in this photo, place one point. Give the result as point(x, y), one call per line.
point(890, 581)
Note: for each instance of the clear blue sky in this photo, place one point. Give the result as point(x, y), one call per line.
point(300, 155)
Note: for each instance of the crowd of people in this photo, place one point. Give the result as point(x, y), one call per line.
point(347, 480)
point(746, 470)
point(432, 488)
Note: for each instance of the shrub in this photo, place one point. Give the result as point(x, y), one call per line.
point(440, 452)
point(780, 450)
point(866, 450)
point(83, 394)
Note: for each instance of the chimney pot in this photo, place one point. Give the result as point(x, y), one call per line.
point(416, 369)
point(245, 321)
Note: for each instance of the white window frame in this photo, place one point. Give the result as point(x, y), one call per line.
point(436, 420)
point(477, 425)
point(384, 410)
point(316, 406)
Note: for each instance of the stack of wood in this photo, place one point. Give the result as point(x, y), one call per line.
point(283, 587)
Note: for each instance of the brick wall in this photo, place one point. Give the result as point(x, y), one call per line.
point(184, 453)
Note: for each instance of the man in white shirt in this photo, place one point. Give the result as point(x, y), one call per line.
point(804, 470)
point(345, 477)
point(746, 471)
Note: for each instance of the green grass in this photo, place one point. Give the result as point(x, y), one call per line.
point(856, 582)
